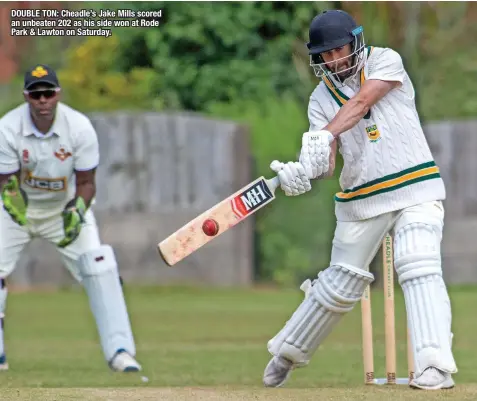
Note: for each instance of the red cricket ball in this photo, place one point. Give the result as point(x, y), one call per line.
point(210, 227)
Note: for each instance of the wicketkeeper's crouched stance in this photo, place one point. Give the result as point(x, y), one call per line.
point(48, 156)
point(365, 103)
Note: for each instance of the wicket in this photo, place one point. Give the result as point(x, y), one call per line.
point(389, 327)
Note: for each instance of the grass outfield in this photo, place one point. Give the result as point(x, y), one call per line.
point(201, 344)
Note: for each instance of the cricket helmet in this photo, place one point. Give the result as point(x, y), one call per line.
point(330, 30)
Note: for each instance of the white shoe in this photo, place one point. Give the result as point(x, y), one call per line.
point(123, 362)
point(277, 372)
point(433, 379)
point(3, 362)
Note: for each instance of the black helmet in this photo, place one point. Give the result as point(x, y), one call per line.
point(330, 30)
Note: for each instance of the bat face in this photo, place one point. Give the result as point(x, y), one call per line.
point(226, 214)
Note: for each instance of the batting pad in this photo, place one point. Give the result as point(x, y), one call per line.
point(3, 305)
point(417, 251)
point(334, 293)
point(100, 279)
point(418, 265)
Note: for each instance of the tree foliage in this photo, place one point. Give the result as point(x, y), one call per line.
point(209, 52)
point(218, 51)
point(92, 82)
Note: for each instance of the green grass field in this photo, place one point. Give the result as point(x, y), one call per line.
point(206, 344)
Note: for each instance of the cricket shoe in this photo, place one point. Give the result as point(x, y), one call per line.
point(433, 379)
point(3, 362)
point(124, 362)
point(277, 372)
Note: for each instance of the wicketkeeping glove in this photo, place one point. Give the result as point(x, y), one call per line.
point(73, 218)
point(15, 200)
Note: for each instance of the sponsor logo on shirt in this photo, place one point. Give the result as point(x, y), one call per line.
point(62, 154)
point(45, 184)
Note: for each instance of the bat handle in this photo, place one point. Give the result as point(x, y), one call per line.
point(273, 183)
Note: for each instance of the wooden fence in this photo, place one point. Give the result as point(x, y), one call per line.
point(158, 171)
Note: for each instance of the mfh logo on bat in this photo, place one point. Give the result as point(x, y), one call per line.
point(255, 196)
point(230, 211)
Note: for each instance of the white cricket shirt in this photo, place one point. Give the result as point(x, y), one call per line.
point(388, 165)
point(47, 162)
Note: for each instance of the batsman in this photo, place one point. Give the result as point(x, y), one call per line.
point(364, 106)
point(48, 157)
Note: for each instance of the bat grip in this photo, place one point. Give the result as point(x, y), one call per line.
point(273, 183)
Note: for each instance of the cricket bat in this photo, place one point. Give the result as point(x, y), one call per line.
point(218, 219)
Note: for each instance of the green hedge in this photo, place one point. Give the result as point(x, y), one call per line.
point(206, 52)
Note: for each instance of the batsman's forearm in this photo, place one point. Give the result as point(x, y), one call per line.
point(87, 191)
point(348, 116)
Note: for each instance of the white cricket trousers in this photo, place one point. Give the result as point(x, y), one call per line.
point(14, 238)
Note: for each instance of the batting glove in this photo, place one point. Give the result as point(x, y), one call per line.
point(315, 152)
point(292, 176)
